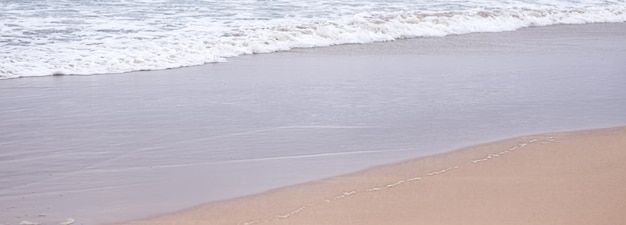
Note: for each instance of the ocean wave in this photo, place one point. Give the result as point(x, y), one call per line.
point(140, 51)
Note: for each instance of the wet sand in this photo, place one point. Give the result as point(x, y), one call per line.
point(562, 178)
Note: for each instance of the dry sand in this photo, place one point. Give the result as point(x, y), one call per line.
point(565, 178)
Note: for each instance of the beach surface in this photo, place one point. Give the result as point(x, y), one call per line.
point(562, 178)
point(112, 148)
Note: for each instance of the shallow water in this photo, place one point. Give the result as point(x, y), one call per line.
point(115, 147)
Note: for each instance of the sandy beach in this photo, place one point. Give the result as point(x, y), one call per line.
point(562, 178)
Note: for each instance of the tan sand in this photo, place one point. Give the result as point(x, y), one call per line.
point(567, 178)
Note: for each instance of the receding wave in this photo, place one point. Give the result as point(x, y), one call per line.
point(117, 54)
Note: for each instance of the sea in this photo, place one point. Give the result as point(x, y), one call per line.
point(113, 110)
point(84, 37)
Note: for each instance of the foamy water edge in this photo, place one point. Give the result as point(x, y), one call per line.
point(182, 50)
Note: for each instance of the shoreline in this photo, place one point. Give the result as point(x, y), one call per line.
point(533, 179)
point(267, 121)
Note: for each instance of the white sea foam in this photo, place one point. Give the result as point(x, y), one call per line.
point(68, 221)
point(128, 36)
point(26, 222)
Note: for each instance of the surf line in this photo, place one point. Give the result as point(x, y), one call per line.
point(347, 194)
